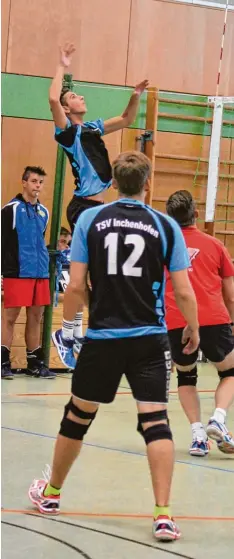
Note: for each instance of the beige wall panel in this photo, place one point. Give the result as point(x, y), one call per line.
point(5, 12)
point(182, 144)
point(99, 29)
point(182, 56)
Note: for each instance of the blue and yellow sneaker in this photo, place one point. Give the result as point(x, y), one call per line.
point(64, 349)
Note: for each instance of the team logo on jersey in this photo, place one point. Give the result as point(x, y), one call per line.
point(193, 252)
point(40, 212)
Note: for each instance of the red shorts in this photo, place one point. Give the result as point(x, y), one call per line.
point(25, 292)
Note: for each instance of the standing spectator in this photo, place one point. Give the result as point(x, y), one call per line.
point(25, 270)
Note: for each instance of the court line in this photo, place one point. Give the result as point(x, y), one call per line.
point(30, 394)
point(116, 536)
point(69, 545)
point(123, 451)
point(117, 515)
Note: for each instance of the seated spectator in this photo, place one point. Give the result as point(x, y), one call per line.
point(63, 259)
point(25, 270)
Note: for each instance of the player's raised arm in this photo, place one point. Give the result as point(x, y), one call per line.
point(130, 113)
point(59, 116)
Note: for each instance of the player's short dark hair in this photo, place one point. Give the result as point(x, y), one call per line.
point(181, 206)
point(62, 95)
point(131, 170)
point(32, 169)
point(65, 232)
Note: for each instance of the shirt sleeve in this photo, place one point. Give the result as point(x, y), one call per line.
point(79, 246)
point(59, 130)
point(226, 265)
point(66, 137)
point(99, 123)
point(179, 258)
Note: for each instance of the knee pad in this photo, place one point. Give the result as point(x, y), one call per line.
point(148, 417)
point(155, 432)
point(187, 378)
point(71, 429)
point(226, 374)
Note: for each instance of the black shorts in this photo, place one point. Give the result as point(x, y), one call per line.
point(146, 362)
point(215, 342)
point(77, 206)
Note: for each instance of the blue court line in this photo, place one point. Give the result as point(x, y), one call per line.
point(119, 450)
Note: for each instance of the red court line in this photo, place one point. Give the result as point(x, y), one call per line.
point(28, 394)
point(118, 515)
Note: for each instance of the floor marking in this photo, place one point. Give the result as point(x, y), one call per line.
point(118, 515)
point(28, 394)
point(123, 451)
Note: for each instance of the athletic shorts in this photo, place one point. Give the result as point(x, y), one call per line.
point(26, 292)
point(146, 362)
point(77, 206)
point(216, 342)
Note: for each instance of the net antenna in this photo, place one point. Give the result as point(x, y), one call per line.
point(216, 133)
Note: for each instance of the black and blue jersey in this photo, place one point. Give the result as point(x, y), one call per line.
point(88, 156)
point(24, 253)
point(127, 245)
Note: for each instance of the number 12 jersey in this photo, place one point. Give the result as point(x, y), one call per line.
point(126, 245)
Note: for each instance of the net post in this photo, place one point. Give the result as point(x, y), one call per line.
point(213, 167)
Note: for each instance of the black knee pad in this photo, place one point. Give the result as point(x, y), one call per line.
point(226, 374)
point(148, 417)
point(157, 432)
point(187, 378)
point(71, 429)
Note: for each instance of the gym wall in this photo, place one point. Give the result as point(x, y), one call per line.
point(177, 46)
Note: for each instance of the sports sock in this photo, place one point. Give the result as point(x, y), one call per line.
point(50, 490)
point(34, 357)
point(162, 511)
point(5, 354)
point(78, 332)
point(67, 329)
point(219, 415)
point(198, 431)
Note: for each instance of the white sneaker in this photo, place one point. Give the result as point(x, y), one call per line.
point(45, 505)
point(165, 529)
point(219, 433)
point(199, 447)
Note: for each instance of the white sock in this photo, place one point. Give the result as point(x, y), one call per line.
point(198, 431)
point(219, 415)
point(67, 329)
point(78, 331)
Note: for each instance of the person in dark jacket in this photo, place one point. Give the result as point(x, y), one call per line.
point(25, 270)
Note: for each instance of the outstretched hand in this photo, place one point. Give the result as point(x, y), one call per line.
point(140, 87)
point(66, 53)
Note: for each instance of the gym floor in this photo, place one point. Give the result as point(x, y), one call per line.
point(107, 500)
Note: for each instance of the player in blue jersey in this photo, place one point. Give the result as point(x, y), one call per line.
point(88, 156)
point(124, 247)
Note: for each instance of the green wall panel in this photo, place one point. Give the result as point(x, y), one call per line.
point(27, 97)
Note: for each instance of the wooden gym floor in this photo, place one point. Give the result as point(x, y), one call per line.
point(107, 500)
